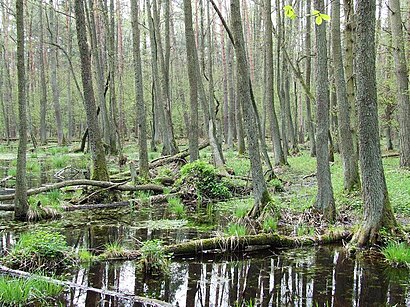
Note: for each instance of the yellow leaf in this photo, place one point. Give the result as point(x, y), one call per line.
point(315, 13)
point(325, 17)
point(319, 20)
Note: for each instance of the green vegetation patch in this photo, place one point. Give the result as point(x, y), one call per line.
point(397, 253)
point(31, 291)
point(154, 260)
point(40, 250)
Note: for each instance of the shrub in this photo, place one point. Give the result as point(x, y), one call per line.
point(205, 179)
point(154, 260)
point(397, 253)
point(40, 250)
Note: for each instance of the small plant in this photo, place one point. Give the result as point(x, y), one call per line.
point(44, 206)
point(31, 291)
point(86, 256)
point(60, 161)
point(33, 166)
point(143, 196)
point(241, 210)
point(305, 230)
point(270, 224)
point(397, 253)
point(40, 249)
point(277, 184)
point(176, 207)
point(113, 250)
point(205, 180)
point(154, 260)
point(236, 230)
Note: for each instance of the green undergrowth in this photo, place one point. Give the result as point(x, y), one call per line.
point(397, 253)
point(40, 250)
point(45, 205)
point(113, 250)
point(28, 292)
point(153, 258)
point(176, 207)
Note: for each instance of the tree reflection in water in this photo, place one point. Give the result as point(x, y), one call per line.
point(322, 276)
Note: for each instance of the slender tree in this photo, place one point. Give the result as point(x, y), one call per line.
point(324, 200)
point(377, 208)
point(402, 77)
point(139, 94)
point(350, 163)
point(20, 200)
point(99, 166)
point(260, 190)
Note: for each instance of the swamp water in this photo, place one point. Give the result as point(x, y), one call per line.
point(311, 276)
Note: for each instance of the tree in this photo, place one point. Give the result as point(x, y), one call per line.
point(260, 190)
point(20, 200)
point(402, 77)
point(139, 94)
point(350, 163)
point(377, 208)
point(99, 169)
point(43, 99)
point(324, 199)
point(192, 60)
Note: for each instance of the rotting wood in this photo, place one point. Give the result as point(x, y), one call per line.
point(86, 182)
point(245, 243)
point(124, 296)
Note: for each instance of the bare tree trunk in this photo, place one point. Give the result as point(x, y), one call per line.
point(260, 191)
point(192, 59)
point(269, 93)
point(99, 168)
point(402, 78)
point(231, 95)
point(20, 199)
point(53, 29)
point(70, 101)
point(377, 208)
point(349, 161)
point(43, 84)
point(324, 200)
point(139, 94)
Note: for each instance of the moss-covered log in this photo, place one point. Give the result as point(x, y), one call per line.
point(233, 244)
point(85, 182)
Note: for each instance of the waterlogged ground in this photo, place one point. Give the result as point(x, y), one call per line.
point(314, 276)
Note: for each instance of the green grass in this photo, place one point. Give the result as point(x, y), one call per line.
point(236, 230)
point(153, 259)
point(60, 161)
point(176, 207)
point(86, 256)
point(242, 209)
point(113, 250)
point(46, 205)
point(23, 292)
point(270, 224)
point(397, 253)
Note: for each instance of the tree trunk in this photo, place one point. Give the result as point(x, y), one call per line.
point(402, 78)
point(20, 199)
point(269, 93)
point(43, 98)
point(324, 199)
point(70, 100)
point(351, 179)
point(53, 29)
point(139, 94)
point(99, 165)
point(192, 60)
point(377, 208)
point(260, 191)
point(232, 135)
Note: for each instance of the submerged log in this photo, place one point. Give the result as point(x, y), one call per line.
point(129, 297)
point(86, 182)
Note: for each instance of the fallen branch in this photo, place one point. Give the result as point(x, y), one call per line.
point(391, 155)
point(5, 179)
point(86, 182)
point(309, 176)
point(124, 296)
point(235, 177)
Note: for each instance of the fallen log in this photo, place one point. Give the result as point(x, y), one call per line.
point(86, 182)
point(391, 155)
point(129, 297)
point(243, 243)
point(153, 200)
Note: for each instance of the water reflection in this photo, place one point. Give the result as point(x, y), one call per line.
point(302, 277)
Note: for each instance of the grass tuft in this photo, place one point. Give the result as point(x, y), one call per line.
point(397, 253)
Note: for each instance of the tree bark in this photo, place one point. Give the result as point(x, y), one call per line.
point(351, 179)
point(139, 94)
point(402, 78)
point(261, 194)
point(20, 200)
point(43, 99)
point(324, 199)
point(377, 208)
point(99, 165)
